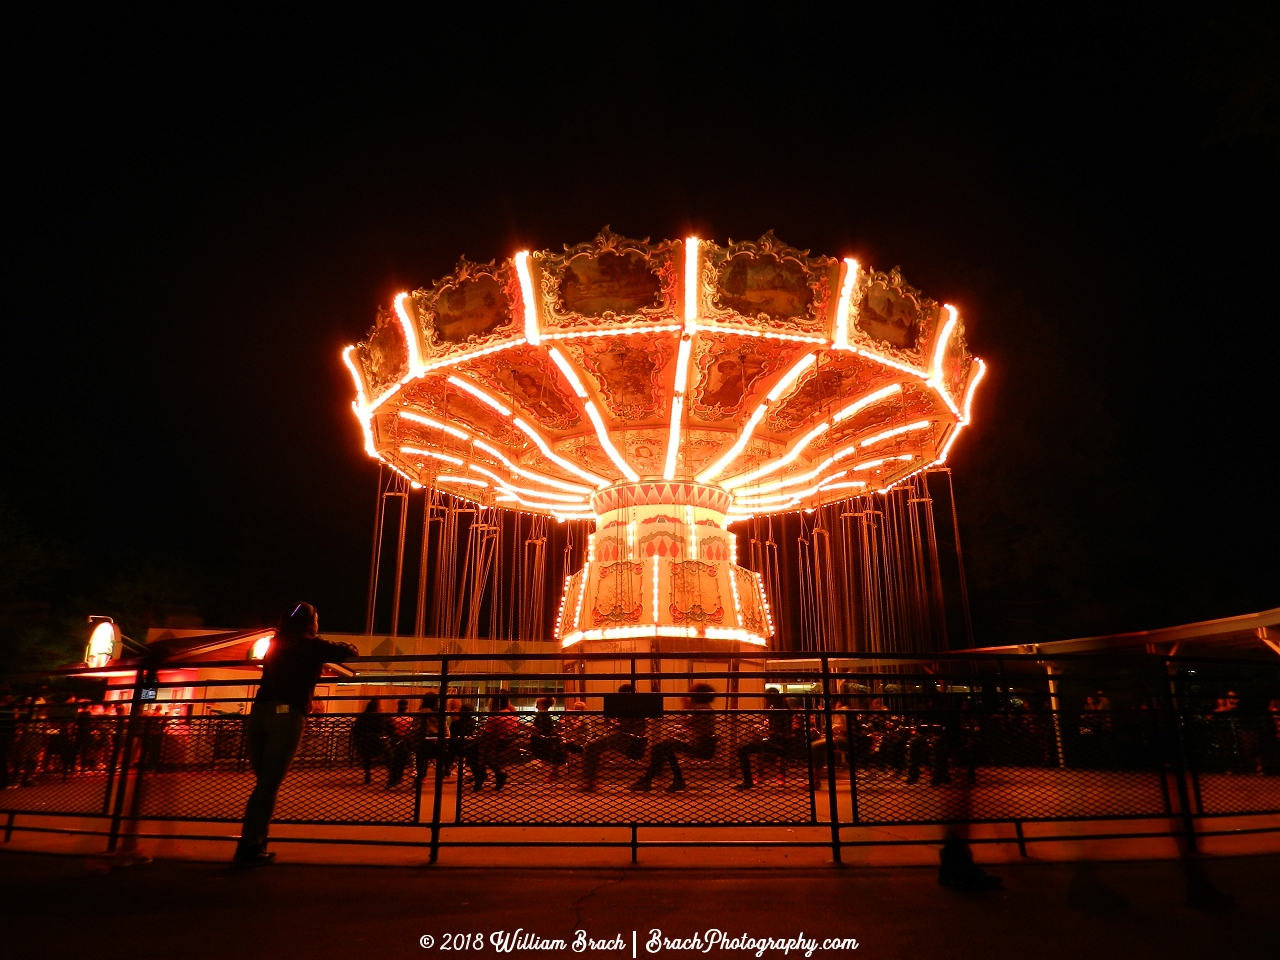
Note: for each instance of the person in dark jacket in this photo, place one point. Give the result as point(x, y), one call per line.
point(290, 669)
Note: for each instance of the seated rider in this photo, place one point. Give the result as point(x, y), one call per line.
point(626, 735)
point(545, 743)
point(781, 741)
point(497, 747)
point(462, 735)
point(426, 735)
point(699, 741)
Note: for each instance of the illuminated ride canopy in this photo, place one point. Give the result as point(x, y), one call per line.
point(663, 391)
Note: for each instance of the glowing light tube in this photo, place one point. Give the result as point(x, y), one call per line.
point(795, 496)
point(861, 404)
point(428, 422)
point(799, 478)
point(775, 465)
point(939, 350)
point(480, 395)
point(964, 418)
point(757, 415)
point(655, 589)
point(361, 398)
point(602, 435)
point(713, 471)
point(602, 432)
point(677, 408)
point(413, 343)
point(360, 406)
point(871, 464)
point(973, 385)
point(582, 594)
point(531, 333)
point(562, 498)
point(691, 257)
point(575, 382)
point(841, 339)
point(886, 434)
point(788, 378)
point(561, 510)
point(529, 474)
point(613, 332)
point(681, 384)
point(558, 460)
point(460, 358)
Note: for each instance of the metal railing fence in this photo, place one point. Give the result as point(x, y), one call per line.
point(855, 742)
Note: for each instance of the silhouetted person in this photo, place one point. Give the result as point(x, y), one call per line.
point(426, 735)
point(545, 743)
point(626, 735)
point(462, 747)
point(400, 730)
point(779, 742)
point(369, 737)
point(699, 741)
point(290, 669)
point(496, 746)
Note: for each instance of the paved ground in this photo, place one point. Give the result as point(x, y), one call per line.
point(55, 906)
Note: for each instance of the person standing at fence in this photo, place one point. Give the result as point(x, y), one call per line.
point(290, 670)
point(699, 741)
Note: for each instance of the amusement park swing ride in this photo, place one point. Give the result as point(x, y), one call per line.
point(661, 400)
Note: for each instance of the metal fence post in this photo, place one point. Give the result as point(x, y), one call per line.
point(117, 741)
point(850, 747)
point(443, 744)
point(126, 756)
point(832, 800)
point(1181, 759)
point(1054, 708)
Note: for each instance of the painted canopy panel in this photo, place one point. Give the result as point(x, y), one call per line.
point(783, 378)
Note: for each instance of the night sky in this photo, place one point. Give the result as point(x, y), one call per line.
point(201, 212)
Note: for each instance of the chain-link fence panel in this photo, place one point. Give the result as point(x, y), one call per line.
point(200, 768)
point(1237, 763)
point(682, 768)
point(957, 765)
point(59, 766)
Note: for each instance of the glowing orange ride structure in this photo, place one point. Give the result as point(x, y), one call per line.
point(663, 391)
